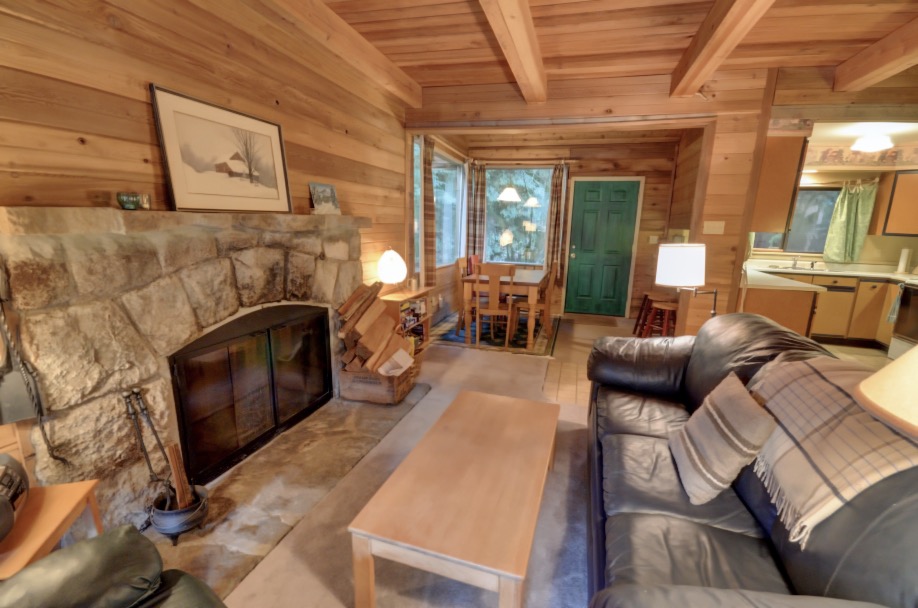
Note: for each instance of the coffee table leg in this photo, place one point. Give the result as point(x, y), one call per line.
point(511, 593)
point(364, 574)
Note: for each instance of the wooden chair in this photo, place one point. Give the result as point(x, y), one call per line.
point(542, 307)
point(461, 267)
point(643, 317)
point(488, 295)
point(662, 318)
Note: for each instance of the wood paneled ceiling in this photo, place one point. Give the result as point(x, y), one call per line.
point(468, 42)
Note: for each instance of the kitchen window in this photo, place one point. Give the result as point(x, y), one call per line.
point(516, 230)
point(809, 224)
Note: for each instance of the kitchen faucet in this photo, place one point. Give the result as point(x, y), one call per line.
point(794, 265)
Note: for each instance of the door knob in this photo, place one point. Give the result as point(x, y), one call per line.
point(573, 255)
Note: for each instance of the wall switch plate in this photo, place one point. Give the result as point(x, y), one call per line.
point(714, 227)
point(654, 239)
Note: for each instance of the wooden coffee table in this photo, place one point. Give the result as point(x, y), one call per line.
point(464, 502)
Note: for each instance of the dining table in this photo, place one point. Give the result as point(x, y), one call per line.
point(525, 283)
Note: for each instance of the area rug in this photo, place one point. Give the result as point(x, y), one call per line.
point(256, 503)
point(445, 332)
point(311, 567)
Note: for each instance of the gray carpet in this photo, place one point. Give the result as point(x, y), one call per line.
point(311, 566)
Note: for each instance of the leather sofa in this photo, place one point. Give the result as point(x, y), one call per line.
point(118, 569)
point(650, 547)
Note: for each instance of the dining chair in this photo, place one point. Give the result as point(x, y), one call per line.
point(542, 306)
point(488, 297)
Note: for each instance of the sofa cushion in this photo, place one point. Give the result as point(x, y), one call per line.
point(720, 438)
point(619, 411)
point(117, 568)
point(639, 476)
point(645, 549)
point(181, 590)
point(740, 343)
point(655, 596)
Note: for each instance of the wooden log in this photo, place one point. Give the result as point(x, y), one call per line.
point(376, 337)
point(357, 313)
point(365, 301)
point(349, 355)
point(369, 318)
point(355, 365)
point(350, 340)
point(396, 343)
point(183, 493)
point(354, 299)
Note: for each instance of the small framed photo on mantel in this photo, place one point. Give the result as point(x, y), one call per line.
point(324, 199)
point(218, 159)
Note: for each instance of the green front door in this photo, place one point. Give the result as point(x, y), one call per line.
point(602, 235)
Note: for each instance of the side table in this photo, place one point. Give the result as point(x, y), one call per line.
point(47, 515)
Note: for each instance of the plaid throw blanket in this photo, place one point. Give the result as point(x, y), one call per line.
point(826, 449)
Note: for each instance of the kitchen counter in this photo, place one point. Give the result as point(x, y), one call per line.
point(757, 279)
point(860, 274)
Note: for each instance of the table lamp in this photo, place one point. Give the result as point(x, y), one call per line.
point(391, 267)
point(681, 265)
point(890, 396)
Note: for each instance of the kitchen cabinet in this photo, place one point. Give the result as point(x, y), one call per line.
point(833, 307)
point(884, 327)
point(868, 307)
point(881, 205)
point(792, 309)
point(902, 216)
point(778, 178)
point(803, 278)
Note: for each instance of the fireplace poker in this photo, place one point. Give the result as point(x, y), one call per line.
point(141, 404)
point(133, 416)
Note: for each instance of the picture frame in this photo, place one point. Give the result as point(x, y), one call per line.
point(217, 159)
point(324, 199)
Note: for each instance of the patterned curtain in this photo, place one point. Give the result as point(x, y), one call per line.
point(430, 217)
point(474, 244)
point(556, 221)
point(849, 223)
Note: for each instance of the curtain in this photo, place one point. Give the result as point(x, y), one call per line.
point(475, 235)
point(556, 220)
point(849, 223)
point(430, 216)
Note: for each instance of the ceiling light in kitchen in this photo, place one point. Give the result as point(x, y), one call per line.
point(873, 142)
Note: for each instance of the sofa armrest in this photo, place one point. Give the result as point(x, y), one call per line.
point(646, 365)
point(115, 569)
point(637, 596)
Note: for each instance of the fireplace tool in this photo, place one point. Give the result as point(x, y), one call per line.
point(162, 515)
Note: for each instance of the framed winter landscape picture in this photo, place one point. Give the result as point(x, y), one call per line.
point(217, 159)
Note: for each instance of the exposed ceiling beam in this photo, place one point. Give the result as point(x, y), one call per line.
point(323, 25)
point(512, 24)
point(882, 59)
point(722, 30)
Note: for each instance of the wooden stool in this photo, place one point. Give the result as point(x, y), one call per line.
point(662, 318)
point(644, 311)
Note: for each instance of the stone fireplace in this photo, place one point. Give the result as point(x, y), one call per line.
point(104, 297)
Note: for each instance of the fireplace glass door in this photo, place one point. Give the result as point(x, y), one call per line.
point(237, 387)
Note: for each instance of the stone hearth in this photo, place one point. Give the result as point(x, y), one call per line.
point(104, 296)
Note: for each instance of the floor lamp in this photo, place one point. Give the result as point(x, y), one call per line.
point(681, 265)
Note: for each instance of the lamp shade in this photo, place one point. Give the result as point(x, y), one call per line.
point(873, 142)
point(681, 265)
point(532, 202)
point(506, 237)
point(890, 396)
point(391, 267)
point(509, 195)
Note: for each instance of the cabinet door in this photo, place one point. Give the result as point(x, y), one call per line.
point(902, 218)
point(884, 327)
point(881, 205)
point(833, 307)
point(778, 179)
point(868, 306)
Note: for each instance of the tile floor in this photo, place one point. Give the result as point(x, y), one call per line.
point(566, 379)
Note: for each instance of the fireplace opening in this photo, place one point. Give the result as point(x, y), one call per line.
point(238, 386)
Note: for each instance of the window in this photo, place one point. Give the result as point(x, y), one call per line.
point(449, 196)
point(809, 224)
point(516, 232)
point(418, 179)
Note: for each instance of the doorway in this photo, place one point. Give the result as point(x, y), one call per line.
point(600, 257)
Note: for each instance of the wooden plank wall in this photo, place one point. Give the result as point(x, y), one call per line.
point(76, 123)
point(648, 155)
